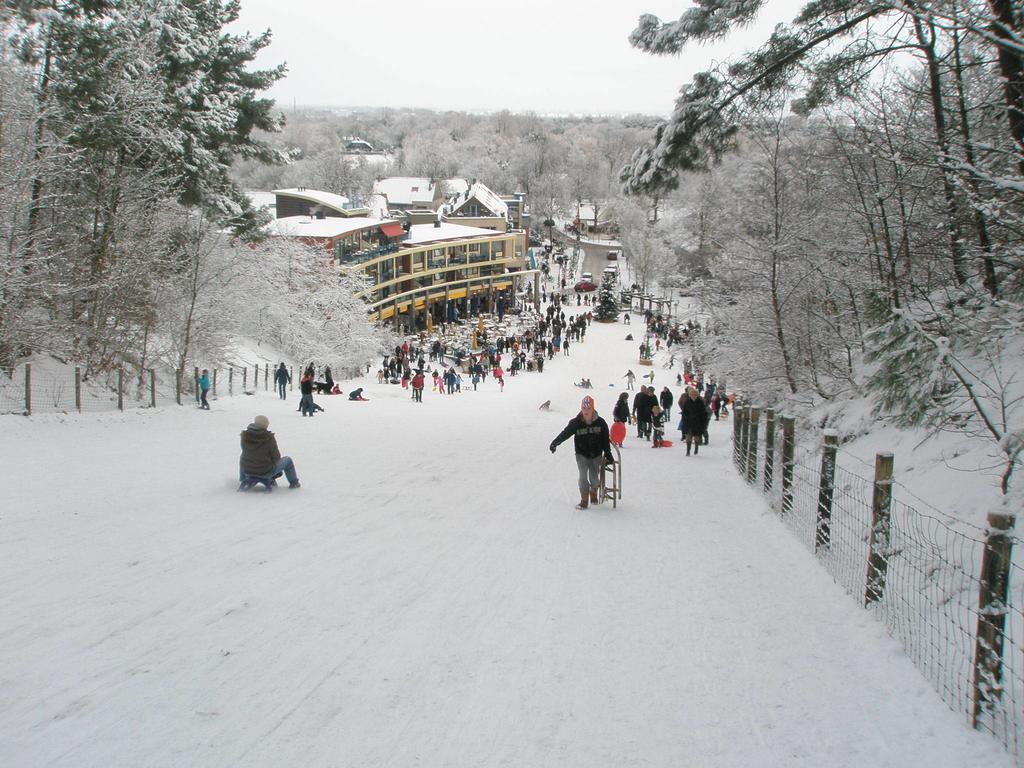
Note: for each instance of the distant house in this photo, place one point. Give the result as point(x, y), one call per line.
point(477, 201)
point(356, 146)
point(412, 193)
point(593, 218)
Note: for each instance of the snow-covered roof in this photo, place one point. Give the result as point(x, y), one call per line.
point(329, 199)
point(331, 226)
point(428, 233)
point(482, 194)
point(262, 199)
point(413, 190)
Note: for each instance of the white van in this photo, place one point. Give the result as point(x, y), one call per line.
point(587, 276)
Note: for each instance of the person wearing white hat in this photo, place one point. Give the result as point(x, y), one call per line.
point(261, 457)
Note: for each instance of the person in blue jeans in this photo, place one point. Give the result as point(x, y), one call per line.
point(260, 454)
point(283, 379)
point(204, 389)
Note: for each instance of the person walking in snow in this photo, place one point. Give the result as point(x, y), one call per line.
point(658, 425)
point(620, 412)
point(666, 399)
point(282, 378)
point(417, 386)
point(204, 389)
point(593, 448)
point(261, 456)
point(695, 420)
point(630, 377)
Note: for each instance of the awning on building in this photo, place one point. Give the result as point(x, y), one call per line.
point(393, 229)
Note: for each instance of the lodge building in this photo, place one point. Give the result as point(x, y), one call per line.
point(420, 274)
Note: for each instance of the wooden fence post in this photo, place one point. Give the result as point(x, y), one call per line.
point(878, 553)
point(28, 389)
point(177, 385)
point(826, 490)
point(195, 381)
point(992, 609)
point(291, 386)
point(231, 381)
point(266, 377)
point(120, 389)
point(788, 449)
point(214, 382)
point(152, 388)
point(744, 438)
point(769, 448)
point(78, 389)
point(737, 436)
point(256, 377)
point(751, 460)
point(245, 375)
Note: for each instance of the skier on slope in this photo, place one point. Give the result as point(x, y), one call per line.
point(593, 448)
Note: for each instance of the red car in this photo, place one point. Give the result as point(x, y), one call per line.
point(613, 255)
point(585, 286)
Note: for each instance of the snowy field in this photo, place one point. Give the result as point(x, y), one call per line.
point(429, 597)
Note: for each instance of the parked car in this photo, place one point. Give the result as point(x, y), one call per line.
point(585, 286)
point(613, 255)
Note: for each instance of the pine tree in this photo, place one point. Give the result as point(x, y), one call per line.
point(607, 304)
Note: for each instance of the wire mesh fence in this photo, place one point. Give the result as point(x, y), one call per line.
point(951, 593)
point(51, 388)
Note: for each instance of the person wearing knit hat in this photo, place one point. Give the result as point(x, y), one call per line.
point(593, 448)
point(261, 459)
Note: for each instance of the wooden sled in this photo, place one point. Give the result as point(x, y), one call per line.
point(611, 480)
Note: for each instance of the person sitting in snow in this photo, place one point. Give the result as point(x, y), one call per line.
point(357, 394)
point(261, 457)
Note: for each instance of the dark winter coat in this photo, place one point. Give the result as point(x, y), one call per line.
point(621, 411)
point(306, 386)
point(666, 398)
point(695, 416)
point(282, 376)
point(590, 440)
point(259, 451)
point(642, 404)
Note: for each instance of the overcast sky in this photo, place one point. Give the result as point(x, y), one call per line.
point(546, 56)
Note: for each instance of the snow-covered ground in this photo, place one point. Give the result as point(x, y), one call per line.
point(428, 597)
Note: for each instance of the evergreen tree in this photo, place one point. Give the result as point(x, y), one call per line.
point(607, 303)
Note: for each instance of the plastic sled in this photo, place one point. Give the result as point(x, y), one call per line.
point(617, 434)
point(267, 481)
point(665, 444)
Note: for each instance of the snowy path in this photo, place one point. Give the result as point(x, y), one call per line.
point(429, 597)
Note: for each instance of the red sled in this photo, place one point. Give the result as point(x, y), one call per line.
point(617, 434)
point(664, 444)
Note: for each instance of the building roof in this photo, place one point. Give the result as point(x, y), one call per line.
point(415, 190)
point(483, 194)
point(329, 199)
point(306, 226)
point(428, 233)
point(262, 199)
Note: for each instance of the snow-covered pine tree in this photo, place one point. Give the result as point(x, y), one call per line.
point(607, 303)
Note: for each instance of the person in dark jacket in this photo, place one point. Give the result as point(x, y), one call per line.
point(260, 454)
point(644, 401)
point(593, 448)
point(282, 378)
point(621, 410)
point(306, 404)
point(666, 401)
point(695, 420)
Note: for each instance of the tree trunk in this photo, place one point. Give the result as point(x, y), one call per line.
point(927, 45)
point(1006, 29)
